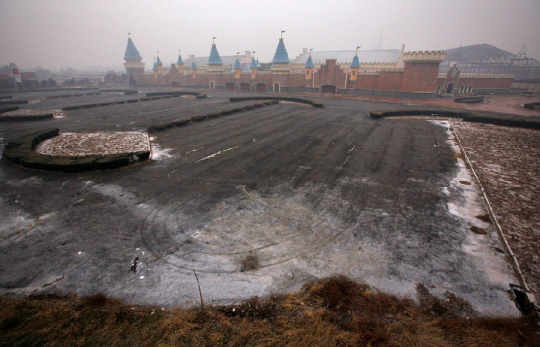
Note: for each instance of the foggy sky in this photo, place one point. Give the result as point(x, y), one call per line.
point(77, 33)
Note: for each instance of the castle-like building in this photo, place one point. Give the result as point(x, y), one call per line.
point(388, 73)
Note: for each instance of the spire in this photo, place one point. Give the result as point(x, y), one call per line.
point(214, 58)
point(309, 62)
point(253, 64)
point(159, 63)
point(131, 51)
point(237, 64)
point(180, 61)
point(193, 65)
point(281, 55)
point(154, 68)
point(355, 62)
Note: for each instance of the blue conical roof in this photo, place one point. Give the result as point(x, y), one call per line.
point(193, 65)
point(154, 68)
point(237, 64)
point(214, 58)
point(355, 62)
point(281, 55)
point(253, 64)
point(131, 52)
point(309, 62)
point(180, 61)
point(159, 63)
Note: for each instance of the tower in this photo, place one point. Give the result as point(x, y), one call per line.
point(194, 70)
point(155, 68)
point(237, 69)
point(421, 72)
point(309, 67)
point(355, 65)
point(180, 63)
point(133, 65)
point(159, 65)
point(253, 66)
point(215, 64)
point(280, 63)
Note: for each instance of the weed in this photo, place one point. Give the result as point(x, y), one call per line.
point(333, 311)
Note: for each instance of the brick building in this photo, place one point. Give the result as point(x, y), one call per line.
point(390, 73)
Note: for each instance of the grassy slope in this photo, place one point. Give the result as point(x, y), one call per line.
point(329, 312)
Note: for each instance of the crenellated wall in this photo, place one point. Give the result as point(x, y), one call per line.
point(419, 78)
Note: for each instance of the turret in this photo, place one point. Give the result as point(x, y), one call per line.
point(237, 69)
point(280, 63)
point(215, 64)
point(133, 65)
point(253, 67)
point(421, 72)
point(355, 65)
point(180, 63)
point(194, 69)
point(155, 68)
point(159, 65)
point(309, 68)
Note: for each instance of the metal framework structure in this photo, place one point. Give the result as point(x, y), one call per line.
point(487, 59)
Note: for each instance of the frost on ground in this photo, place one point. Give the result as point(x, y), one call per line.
point(82, 144)
point(507, 162)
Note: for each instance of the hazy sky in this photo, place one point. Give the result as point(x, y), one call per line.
point(80, 33)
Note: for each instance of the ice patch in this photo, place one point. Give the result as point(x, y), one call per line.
point(158, 153)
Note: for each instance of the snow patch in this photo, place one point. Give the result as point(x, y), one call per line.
point(217, 153)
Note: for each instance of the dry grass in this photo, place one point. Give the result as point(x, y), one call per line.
point(328, 312)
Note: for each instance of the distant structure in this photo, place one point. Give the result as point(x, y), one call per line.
point(380, 72)
point(487, 59)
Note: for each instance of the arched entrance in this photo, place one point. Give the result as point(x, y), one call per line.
point(212, 85)
point(245, 87)
point(277, 87)
point(229, 86)
point(450, 88)
point(175, 84)
point(328, 88)
point(261, 87)
point(132, 81)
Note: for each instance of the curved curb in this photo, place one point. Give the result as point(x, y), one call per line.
point(21, 152)
point(278, 98)
point(148, 98)
point(20, 118)
point(469, 99)
point(12, 102)
point(8, 109)
point(125, 91)
point(176, 123)
point(198, 118)
point(476, 117)
point(210, 115)
point(67, 108)
point(532, 106)
point(177, 94)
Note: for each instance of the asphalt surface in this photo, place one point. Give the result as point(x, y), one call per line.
point(257, 202)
